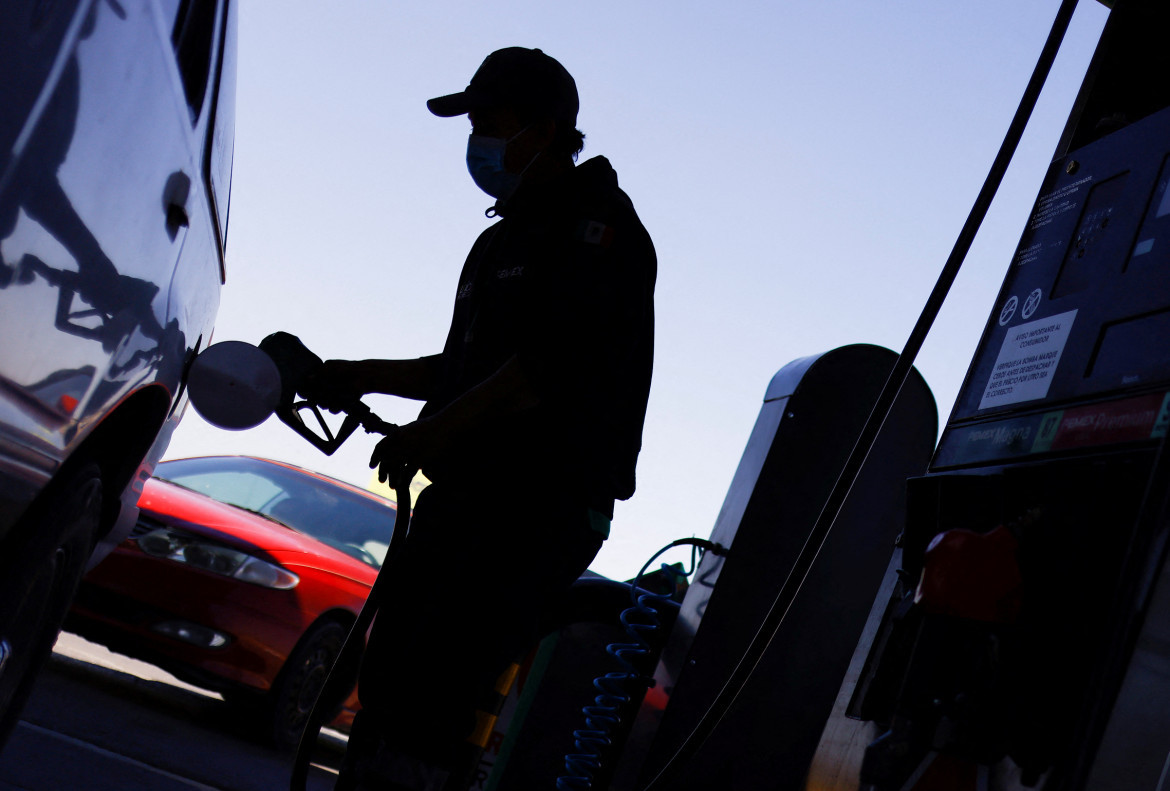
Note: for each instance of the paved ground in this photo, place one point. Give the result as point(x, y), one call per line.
point(98, 721)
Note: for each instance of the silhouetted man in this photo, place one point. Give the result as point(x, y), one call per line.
point(531, 428)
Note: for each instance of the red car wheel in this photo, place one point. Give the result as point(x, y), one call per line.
point(301, 679)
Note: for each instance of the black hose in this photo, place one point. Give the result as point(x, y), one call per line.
point(885, 401)
point(349, 657)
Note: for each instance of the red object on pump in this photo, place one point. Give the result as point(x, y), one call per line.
point(972, 575)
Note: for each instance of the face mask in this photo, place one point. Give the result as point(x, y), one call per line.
point(485, 163)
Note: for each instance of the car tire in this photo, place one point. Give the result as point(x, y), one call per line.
point(300, 682)
point(41, 566)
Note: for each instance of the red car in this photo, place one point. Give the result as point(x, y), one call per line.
point(244, 576)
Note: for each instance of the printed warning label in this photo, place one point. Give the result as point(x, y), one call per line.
point(1056, 203)
point(1027, 361)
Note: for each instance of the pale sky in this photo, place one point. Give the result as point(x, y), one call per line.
point(803, 169)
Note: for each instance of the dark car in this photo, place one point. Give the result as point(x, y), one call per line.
point(116, 140)
point(243, 576)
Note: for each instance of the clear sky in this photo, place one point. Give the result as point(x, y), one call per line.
point(803, 168)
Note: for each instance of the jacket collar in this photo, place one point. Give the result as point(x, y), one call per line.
point(592, 177)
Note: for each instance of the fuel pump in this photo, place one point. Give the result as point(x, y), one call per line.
point(1019, 642)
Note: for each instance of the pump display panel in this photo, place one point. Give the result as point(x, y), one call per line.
point(1071, 357)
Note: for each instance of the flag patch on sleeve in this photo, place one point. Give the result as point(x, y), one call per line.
point(593, 232)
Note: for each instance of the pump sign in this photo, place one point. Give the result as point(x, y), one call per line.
point(1027, 360)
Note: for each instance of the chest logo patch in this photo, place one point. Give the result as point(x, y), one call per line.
point(504, 274)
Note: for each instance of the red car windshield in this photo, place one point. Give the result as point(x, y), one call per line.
point(356, 524)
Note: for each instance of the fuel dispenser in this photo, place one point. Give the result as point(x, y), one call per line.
point(812, 413)
point(1020, 640)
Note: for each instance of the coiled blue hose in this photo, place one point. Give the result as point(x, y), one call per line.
point(617, 689)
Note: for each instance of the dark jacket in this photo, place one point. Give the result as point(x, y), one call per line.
point(565, 281)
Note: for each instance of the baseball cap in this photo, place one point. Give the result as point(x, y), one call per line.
point(526, 80)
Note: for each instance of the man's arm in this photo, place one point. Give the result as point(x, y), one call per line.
point(504, 392)
point(415, 444)
point(338, 381)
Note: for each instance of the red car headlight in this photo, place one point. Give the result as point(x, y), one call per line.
point(216, 558)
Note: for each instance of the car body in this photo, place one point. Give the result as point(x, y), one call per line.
point(236, 565)
point(116, 144)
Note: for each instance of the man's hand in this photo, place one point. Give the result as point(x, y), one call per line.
point(409, 447)
point(335, 385)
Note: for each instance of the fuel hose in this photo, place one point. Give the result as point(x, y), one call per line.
point(341, 675)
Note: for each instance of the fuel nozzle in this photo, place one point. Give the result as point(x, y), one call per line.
point(235, 385)
point(296, 364)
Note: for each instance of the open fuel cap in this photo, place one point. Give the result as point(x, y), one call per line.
point(234, 385)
